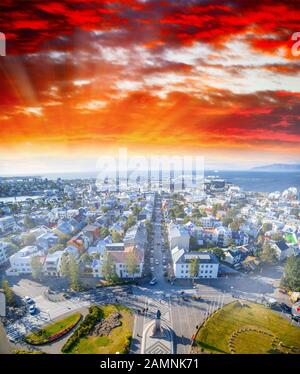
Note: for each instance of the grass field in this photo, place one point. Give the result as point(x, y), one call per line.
point(54, 330)
point(248, 328)
point(117, 341)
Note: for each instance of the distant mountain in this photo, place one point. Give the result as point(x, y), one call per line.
point(278, 167)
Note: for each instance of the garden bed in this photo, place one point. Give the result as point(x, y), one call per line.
point(54, 331)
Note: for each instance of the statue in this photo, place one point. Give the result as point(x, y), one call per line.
point(157, 326)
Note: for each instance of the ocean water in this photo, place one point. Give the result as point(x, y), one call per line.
point(258, 181)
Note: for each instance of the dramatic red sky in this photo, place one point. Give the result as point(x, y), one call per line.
point(213, 78)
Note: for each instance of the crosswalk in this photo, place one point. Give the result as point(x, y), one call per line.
point(155, 304)
point(25, 325)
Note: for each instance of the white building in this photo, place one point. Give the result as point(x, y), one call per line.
point(284, 251)
point(20, 262)
point(119, 256)
point(52, 263)
point(178, 237)
point(97, 268)
point(6, 224)
point(208, 263)
point(233, 256)
point(224, 236)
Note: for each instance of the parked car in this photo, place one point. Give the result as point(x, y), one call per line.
point(286, 308)
point(296, 318)
point(28, 300)
point(157, 261)
point(32, 309)
point(153, 281)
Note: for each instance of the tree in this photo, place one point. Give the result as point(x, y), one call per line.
point(215, 209)
point(132, 263)
point(64, 265)
point(108, 267)
point(196, 214)
point(73, 272)
point(131, 221)
point(194, 268)
point(291, 278)
point(269, 254)
point(56, 247)
point(194, 246)
point(186, 220)
point(116, 237)
point(218, 252)
point(267, 227)
point(9, 294)
point(36, 267)
point(29, 239)
point(104, 232)
point(28, 222)
point(227, 220)
point(63, 238)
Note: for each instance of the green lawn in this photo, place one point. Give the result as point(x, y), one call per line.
point(248, 328)
point(117, 341)
point(54, 330)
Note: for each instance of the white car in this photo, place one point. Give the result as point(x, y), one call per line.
point(156, 261)
point(153, 281)
point(28, 300)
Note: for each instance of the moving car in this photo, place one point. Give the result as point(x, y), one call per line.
point(153, 281)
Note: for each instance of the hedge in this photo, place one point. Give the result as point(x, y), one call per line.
point(91, 319)
point(42, 337)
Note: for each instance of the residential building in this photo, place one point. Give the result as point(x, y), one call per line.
point(119, 258)
point(283, 250)
point(52, 263)
point(3, 252)
point(20, 262)
point(80, 241)
point(233, 256)
point(224, 236)
point(136, 236)
point(208, 263)
point(6, 224)
point(119, 255)
point(92, 232)
point(178, 237)
point(47, 240)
